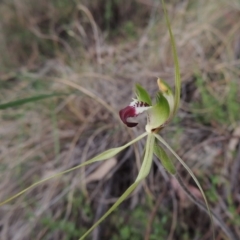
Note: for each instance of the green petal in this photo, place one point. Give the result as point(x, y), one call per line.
point(167, 93)
point(158, 114)
point(142, 94)
point(165, 160)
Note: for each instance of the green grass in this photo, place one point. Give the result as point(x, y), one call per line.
point(67, 228)
point(133, 225)
point(217, 107)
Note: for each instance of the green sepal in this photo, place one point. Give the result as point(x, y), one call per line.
point(148, 156)
point(165, 160)
point(158, 114)
point(142, 94)
point(100, 157)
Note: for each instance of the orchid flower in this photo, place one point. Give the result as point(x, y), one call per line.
point(159, 113)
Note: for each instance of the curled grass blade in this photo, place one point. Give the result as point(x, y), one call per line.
point(144, 170)
point(102, 156)
point(192, 175)
point(176, 62)
point(90, 94)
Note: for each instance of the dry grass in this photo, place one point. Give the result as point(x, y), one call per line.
point(60, 47)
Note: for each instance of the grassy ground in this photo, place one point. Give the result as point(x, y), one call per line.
point(78, 61)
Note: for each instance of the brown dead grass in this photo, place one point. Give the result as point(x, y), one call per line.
point(65, 49)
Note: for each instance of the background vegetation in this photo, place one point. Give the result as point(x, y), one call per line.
point(76, 63)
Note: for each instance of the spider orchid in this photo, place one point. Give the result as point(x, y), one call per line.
point(159, 115)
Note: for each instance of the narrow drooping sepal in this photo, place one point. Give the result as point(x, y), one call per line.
point(158, 114)
point(100, 157)
point(190, 172)
point(165, 160)
point(147, 159)
point(142, 94)
point(144, 171)
point(133, 110)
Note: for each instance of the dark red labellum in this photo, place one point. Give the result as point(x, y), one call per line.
point(127, 112)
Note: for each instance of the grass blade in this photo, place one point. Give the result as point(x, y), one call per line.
point(22, 101)
point(102, 156)
point(176, 62)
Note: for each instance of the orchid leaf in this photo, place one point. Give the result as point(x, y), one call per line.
point(158, 114)
point(102, 156)
point(165, 160)
point(142, 94)
point(176, 62)
point(192, 175)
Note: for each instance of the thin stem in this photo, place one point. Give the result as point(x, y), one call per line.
point(192, 175)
